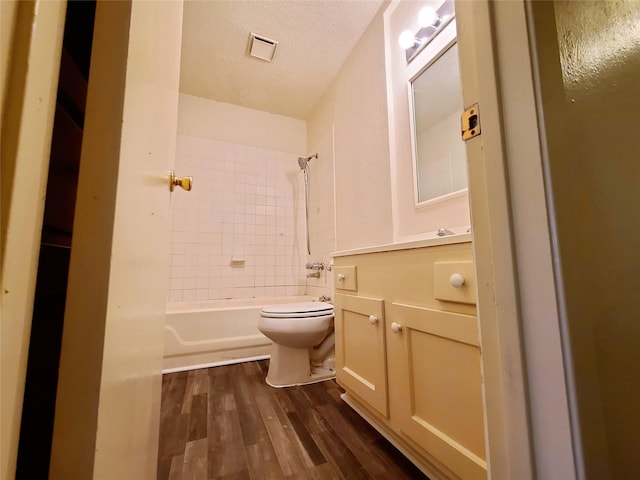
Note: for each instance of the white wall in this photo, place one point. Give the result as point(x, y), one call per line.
point(247, 203)
point(322, 213)
point(410, 222)
point(374, 192)
point(356, 105)
point(200, 117)
point(443, 160)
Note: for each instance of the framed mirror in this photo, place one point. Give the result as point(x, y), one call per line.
point(439, 155)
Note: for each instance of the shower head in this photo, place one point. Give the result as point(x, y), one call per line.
point(304, 161)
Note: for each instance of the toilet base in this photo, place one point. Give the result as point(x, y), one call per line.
point(290, 366)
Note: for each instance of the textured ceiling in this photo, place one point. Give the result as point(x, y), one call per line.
point(315, 37)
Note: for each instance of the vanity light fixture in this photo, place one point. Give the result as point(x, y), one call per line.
point(428, 17)
point(408, 40)
point(431, 21)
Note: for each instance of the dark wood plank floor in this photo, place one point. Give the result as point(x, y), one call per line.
point(227, 423)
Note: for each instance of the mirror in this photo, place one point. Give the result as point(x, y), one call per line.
point(440, 162)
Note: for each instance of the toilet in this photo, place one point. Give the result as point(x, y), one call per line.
point(303, 342)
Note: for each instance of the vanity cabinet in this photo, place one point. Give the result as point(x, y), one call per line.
point(408, 354)
point(362, 359)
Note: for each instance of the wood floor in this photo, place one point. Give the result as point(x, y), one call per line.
point(227, 423)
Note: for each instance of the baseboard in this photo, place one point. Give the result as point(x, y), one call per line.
point(215, 364)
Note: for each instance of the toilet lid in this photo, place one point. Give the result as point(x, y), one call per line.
point(304, 309)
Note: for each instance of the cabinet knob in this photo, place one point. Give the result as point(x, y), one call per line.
point(396, 327)
point(341, 277)
point(456, 280)
point(373, 319)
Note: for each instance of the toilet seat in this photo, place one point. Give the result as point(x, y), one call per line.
point(297, 310)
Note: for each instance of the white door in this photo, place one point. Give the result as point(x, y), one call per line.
point(108, 404)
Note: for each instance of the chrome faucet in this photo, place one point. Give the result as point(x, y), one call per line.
point(325, 298)
point(443, 232)
point(315, 274)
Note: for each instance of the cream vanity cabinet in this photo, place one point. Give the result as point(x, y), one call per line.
point(408, 355)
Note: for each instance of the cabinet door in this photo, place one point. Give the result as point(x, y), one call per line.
point(434, 365)
point(361, 365)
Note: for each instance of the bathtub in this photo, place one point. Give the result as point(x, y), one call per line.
point(219, 332)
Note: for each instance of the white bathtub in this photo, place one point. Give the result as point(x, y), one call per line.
point(220, 332)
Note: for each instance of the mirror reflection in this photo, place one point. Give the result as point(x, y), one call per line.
point(440, 164)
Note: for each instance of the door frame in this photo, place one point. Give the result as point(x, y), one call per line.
point(32, 35)
point(526, 402)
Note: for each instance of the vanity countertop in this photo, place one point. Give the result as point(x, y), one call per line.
point(426, 242)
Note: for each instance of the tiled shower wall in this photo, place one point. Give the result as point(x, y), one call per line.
point(246, 209)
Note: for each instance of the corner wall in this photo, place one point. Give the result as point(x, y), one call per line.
point(356, 106)
point(322, 213)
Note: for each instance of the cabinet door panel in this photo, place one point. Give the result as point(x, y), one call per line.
point(435, 361)
point(360, 349)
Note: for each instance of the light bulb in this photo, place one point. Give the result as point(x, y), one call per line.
point(427, 17)
point(406, 39)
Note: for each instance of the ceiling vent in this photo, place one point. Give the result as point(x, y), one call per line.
point(262, 47)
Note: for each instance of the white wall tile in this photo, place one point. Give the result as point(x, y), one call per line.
point(241, 206)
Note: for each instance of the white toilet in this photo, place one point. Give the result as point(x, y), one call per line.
point(303, 342)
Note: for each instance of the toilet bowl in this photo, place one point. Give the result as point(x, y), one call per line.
point(303, 342)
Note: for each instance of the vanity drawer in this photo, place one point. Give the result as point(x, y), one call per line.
point(455, 281)
point(346, 278)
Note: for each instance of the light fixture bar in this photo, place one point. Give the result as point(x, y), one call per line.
point(439, 19)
